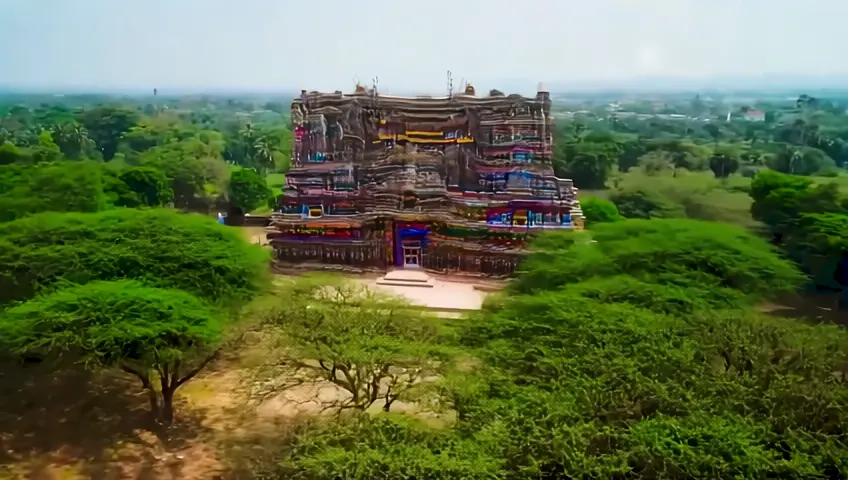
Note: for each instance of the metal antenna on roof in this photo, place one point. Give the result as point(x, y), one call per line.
point(375, 82)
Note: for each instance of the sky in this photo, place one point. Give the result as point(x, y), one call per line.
point(410, 45)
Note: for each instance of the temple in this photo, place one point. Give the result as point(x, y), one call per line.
point(453, 184)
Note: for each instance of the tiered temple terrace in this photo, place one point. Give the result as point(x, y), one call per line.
point(454, 185)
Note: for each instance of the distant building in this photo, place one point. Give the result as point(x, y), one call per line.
point(448, 184)
point(755, 116)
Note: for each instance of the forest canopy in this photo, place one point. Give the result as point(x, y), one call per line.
point(162, 248)
point(637, 355)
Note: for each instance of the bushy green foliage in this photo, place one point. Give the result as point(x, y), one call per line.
point(247, 190)
point(683, 296)
point(631, 357)
point(807, 218)
point(608, 390)
point(56, 187)
point(825, 233)
point(686, 195)
point(112, 322)
point(599, 210)
point(685, 253)
point(162, 248)
point(365, 448)
point(801, 161)
point(646, 203)
point(576, 388)
point(146, 187)
point(122, 324)
point(11, 154)
point(375, 347)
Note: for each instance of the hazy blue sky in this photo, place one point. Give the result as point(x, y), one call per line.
point(322, 44)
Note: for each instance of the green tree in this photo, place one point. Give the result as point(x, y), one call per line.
point(656, 162)
point(635, 402)
point(192, 166)
point(590, 169)
point(147, 187)
point(724, 163)
point(801, 161)
point(780, 200)
point(704, 256)
point(714, 131)
point(155, 334)
point(106, 126)
point(10, 154)
point(646, 203)
point(247, 191)
point(599, 210)
point(162, 248)
point(630, 154)
point(55, 187)
point(46, 150)
point(820, 233)
point(73, 140)
point(375, 348)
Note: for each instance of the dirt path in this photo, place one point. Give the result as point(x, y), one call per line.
point(68, 424)
point(820, 307)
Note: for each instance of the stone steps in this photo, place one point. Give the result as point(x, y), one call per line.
point(407, 278)
point(406, 283)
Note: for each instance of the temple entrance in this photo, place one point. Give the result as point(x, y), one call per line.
point(410, 240)
point(411, 253)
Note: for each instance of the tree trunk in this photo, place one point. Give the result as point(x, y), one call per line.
point(153, 398)
point(167, 413)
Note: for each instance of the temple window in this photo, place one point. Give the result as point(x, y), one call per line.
point(519, 179)
point(315, 211)
point(535, 218)
point(317, 157)
point(291, 209)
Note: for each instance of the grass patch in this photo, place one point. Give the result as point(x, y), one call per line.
point(276, 181)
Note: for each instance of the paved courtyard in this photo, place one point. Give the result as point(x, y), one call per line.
point(444, 295)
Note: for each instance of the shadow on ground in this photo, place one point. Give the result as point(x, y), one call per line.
point(52, 416)
point(820, 306)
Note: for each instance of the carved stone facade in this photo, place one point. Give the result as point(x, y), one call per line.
point(445, 184)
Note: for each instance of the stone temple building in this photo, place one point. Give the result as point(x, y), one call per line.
point(455, 184)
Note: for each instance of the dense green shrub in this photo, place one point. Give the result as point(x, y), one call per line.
point(682, 253)
point(247, 191)
point(605, 390)
point(646, 203)
point(122, 324)
point(159, 247)
point(599, 210)
point(366, 448)
point(56, 187)
point(630, 357)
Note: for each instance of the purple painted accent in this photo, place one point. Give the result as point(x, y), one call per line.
point(398, 247)
point(407, 233)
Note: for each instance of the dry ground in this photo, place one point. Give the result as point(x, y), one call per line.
point(69, 424)
point(814, 307)
point(254, 234)
point(66, 423)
